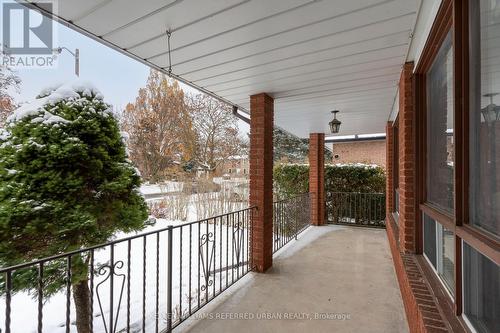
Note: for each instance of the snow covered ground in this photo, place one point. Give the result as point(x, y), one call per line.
point(163, 188)
point(152, 192)
point(223, 252)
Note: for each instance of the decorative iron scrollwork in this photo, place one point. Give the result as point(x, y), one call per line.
point(207, 249)
point(238, 238)
point(108, 271)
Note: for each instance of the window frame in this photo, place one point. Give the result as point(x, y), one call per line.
point(448, 30)
point(466, 319)
point(467, 36)
point(454, 16)
point(478, 238)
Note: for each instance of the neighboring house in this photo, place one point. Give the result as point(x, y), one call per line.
point(369, 152)
point(237, 165)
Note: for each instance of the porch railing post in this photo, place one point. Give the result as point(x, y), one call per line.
point(295, 217)
point(317, 177)
point(169, 279)
point(261, 179)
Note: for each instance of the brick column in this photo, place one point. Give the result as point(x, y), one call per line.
point(261, 180)
point(317, 177)
point(407, 158)
point(389, 155)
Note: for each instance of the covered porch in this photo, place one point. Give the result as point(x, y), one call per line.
point(288, 64)
point(284, 64)
point(332, 279)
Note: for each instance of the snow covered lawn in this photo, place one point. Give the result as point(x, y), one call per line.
point(164, 188)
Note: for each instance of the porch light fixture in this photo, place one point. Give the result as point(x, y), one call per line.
point(335, 123)
point(491, 112)
point(75, 55)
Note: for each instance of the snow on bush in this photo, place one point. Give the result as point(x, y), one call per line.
point(62, 147)
point(357, 165)
point(74, 94)
point(65, 184)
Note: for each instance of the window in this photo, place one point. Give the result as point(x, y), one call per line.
point(439, 249)
point(440, 150)
point(481, 276)
point(458, 157)
point(484, 115)
point(481, 291)
point(446, 257)
point(438, 241)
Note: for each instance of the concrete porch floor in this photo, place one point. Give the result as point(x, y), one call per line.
point(342, 271)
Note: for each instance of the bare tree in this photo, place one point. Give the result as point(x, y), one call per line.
point(216, 129)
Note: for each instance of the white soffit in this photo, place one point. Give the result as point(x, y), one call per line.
point(427, 14)
point(312, 56)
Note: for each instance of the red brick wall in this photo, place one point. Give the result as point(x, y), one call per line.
point(369, 152)
point(389, 146)
point(261, 180)
point(407, 157)
point(317, 177)
point(421, 306)
point(423, 309)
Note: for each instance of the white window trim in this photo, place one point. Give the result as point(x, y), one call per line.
point(464, 316)
point(468, 323)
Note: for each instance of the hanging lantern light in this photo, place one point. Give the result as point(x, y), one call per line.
point(491, 112)
point(335, 123)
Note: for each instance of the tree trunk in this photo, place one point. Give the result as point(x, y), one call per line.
point(81, 296)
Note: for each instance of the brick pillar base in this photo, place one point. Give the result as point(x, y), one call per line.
point(261, 180)
point(317, 177)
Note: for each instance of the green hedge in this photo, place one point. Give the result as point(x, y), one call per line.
point(354, 178)
point(292, 179)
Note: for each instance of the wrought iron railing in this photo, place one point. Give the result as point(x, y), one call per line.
point(150, 282)
point(352, 208)
point(290, 217)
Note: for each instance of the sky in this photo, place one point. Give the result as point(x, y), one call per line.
point(116, 75)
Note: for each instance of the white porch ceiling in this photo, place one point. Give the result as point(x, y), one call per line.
point(312, 56)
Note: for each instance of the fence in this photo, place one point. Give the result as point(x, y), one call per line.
point(150, 282)
point(352, 208)
point(290, 217)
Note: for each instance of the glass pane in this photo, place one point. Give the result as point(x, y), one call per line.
point(446, 258)
point(439, 248)
point(440, 144)
point(481, 291)
point(485, 115)
point(430, 239)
